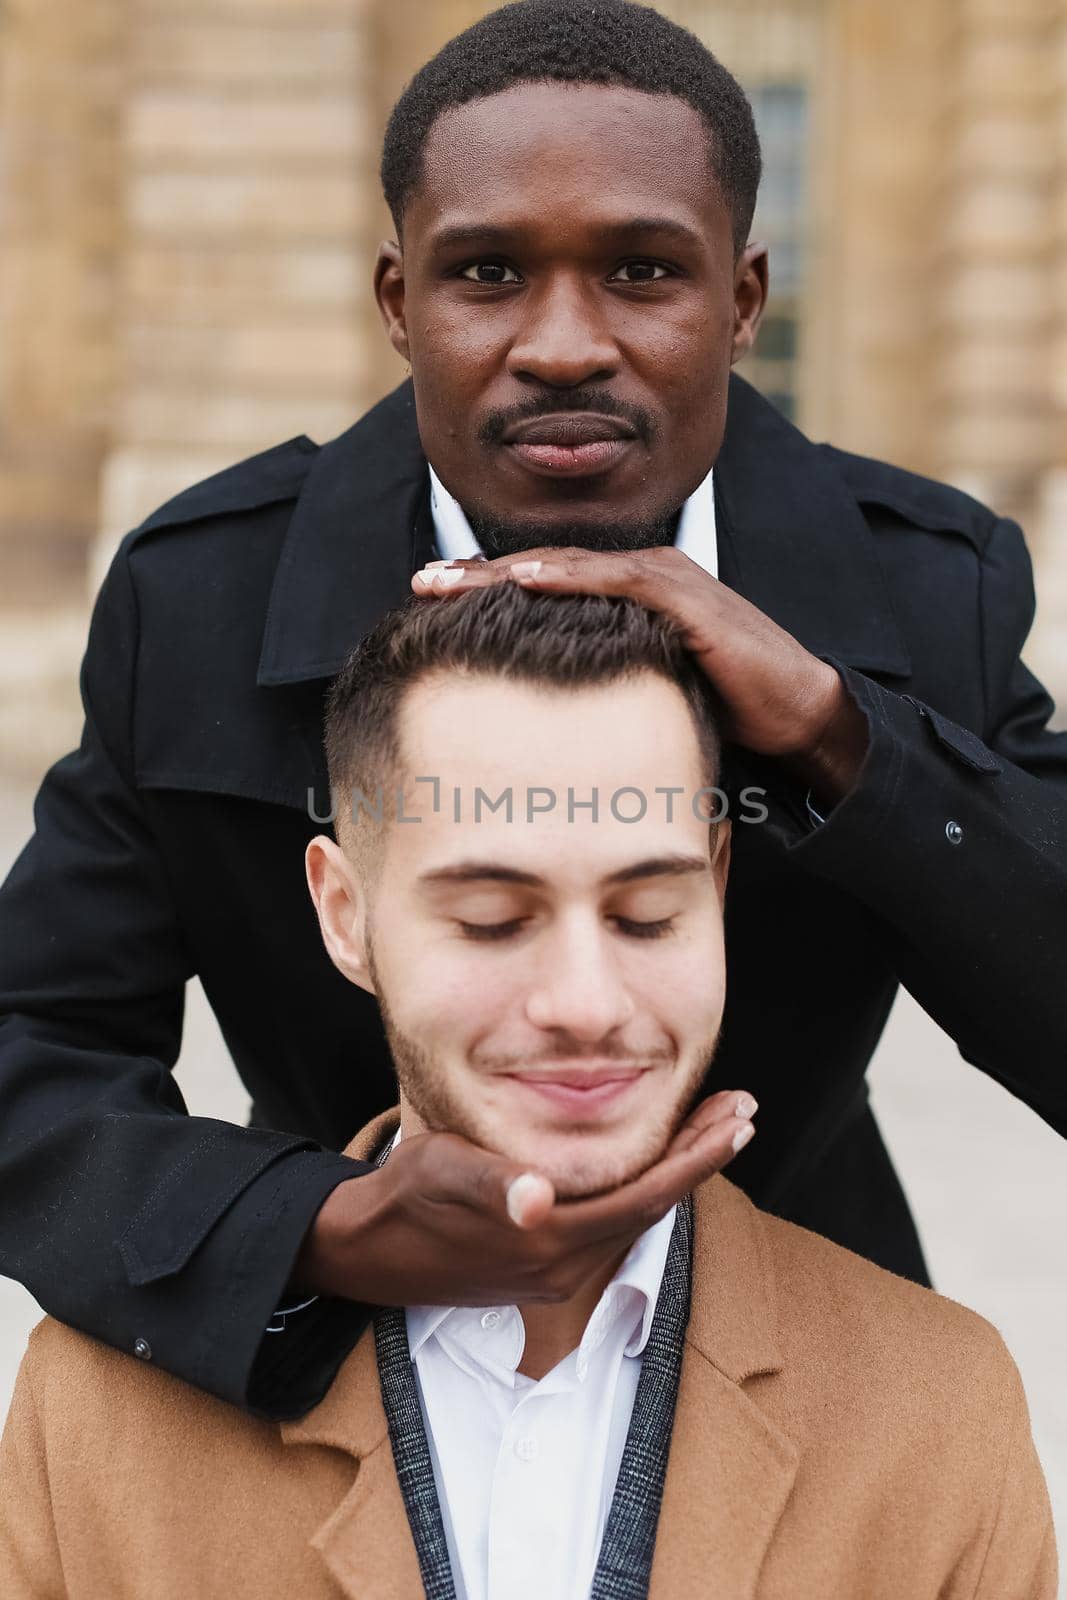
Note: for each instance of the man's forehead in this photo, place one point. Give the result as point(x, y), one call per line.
point(481, 726)
point(653, 141)
point(490, 868)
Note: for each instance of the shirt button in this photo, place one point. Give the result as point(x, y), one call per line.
point(142, 1350)
point(491, 1320)
point(526, 1449)
point(953, 833)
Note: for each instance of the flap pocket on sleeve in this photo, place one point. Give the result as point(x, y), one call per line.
point(176, 1218)
point(963, 744)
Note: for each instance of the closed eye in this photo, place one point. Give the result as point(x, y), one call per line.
point(489, 931)
point(645, 930)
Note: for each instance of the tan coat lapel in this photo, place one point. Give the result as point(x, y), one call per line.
point(366, 1540)
point(731, 1469)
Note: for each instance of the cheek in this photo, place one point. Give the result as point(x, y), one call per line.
point(451, 344)
point(685, 995)
point(458, 1000)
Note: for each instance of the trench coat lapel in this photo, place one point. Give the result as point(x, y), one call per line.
point(349, 551)
point(730, 1469)
point(796, 543)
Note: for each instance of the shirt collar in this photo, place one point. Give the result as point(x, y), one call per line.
point(642, 1273)
point(634, 1289)
point(695, 536)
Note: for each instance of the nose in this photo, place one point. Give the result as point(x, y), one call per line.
point(564, 340)
point(579, 988)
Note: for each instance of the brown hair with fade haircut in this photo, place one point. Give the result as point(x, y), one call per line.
point(556, 642)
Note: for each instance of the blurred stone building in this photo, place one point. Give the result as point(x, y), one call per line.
point(189, 210)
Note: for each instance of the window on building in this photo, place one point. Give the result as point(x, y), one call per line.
point(781, 112)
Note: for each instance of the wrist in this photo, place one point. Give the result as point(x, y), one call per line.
point(330, 1251)
point(831, 759)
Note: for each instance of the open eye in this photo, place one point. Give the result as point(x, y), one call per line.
point(640, 271)
point(489, 272)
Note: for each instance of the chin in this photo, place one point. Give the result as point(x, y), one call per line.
point(581, 1165)
point(501, 537)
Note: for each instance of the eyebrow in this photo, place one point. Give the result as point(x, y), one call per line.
point(487, 233)
point(673, 866)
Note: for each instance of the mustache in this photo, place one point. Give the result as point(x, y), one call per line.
point(574, 1057)
point(554, 401)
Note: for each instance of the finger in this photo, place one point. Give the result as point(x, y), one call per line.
point(465, 1174)
point(638, 574)
point(528, 1199)
point(682, 1170)
point(643, 1201)
point(635, 575)
point(726, 1103)
point(446, 577)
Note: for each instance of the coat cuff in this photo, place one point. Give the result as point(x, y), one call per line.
point(207, 1322)
point(914, 786)
point(283, 1376)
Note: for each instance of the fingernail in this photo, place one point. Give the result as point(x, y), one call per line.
point(520, 1191)
point(440, 576)
point(742, 1136)
point(746, 1106)
point(525, 569)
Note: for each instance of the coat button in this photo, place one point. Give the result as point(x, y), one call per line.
point(953, 833)
point(143, 1350)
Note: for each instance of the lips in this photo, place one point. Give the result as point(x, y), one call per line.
point(580, 1077)
point(570, 428)
point(575, 446)
point(580, 1093)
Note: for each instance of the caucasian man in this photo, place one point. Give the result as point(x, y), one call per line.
point(525, 880)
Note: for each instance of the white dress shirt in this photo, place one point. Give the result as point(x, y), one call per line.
point(695, 536)
point(525, 1469)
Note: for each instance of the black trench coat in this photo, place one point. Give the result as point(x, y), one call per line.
point(171, 843)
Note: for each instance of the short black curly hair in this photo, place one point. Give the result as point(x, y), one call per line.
point(578, 41)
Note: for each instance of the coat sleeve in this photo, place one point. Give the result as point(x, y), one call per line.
point(958, 843)
point(159, 1233)
point(30, 1564)
point(1013, 1556)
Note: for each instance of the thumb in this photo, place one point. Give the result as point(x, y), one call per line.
point(466, 1174)
point(529, 1199)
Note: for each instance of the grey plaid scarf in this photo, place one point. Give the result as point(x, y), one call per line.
point(625, 1561)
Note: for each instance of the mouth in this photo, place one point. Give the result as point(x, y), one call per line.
point(577, 445)
point(580, 1092)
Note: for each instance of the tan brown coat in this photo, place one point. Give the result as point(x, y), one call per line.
point(840, 1435)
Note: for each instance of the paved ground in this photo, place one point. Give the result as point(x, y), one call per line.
point(987, 1179)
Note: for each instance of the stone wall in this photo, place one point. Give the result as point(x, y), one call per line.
point(189, 210)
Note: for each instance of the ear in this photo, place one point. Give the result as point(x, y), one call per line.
point(750, 297)
point(341, 903)
point(720, 855)
point(389, 291)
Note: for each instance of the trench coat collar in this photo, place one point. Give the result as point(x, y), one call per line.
point(730, 1469)
point(798, 542)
